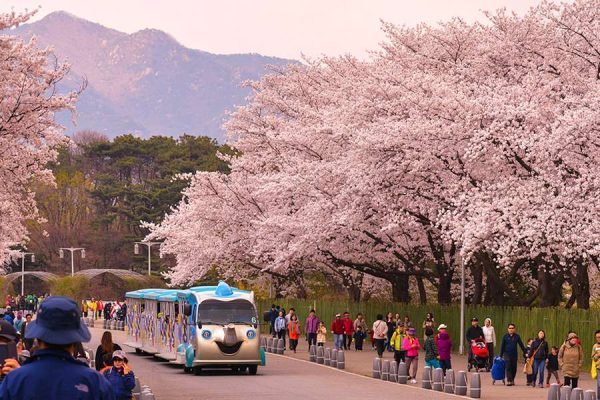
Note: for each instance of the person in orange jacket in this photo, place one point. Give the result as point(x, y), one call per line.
point(294, 332)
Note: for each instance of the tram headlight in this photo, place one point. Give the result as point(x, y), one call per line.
point(251, 334)
point(206, 334)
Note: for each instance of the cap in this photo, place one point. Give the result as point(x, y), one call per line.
point(7, 330)
point(338, 315)
point(119, 354)
point(572, 335)
point(58, 322)
point(442, 326)
point(474, 319)
point(412, 331)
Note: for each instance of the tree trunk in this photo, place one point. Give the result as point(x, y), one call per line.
point(444, 284)
point(580, 285)
point(550, 287)
point(354, 292)
point(494, 290)
point(400, 288)
point(422, 291)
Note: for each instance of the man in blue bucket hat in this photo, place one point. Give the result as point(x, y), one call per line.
point(52, 373)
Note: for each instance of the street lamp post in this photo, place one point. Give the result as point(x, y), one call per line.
point(136, 250)
point(462, 307)
point(23, 255)
point(61, 253)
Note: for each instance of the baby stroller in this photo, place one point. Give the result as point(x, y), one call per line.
point(480, 356)
point(498, 370)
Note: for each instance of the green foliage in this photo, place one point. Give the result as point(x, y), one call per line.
point(75, 287)
point(556, 322)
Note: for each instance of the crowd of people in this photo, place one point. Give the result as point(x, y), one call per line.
point(395, 333)
point(97, 309)
point(53, 341)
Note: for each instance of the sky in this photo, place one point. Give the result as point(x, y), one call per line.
point(283, 28)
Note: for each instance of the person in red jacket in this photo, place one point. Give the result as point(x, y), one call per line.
point(348, 330)
point(337, 328)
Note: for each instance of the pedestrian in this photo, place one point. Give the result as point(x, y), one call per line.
point(28, 343)
point(288, 316)
point(294, 332)
point(431, 351)
point(429, 322)
point(380, 330)
point(397, 341)
point(311, 326)
point(407, 323)
point(444, 345)
point(337, 329)
point(18, 321)
point(106, 346)
point(528, 368)
point(474, 332)
point(552, 366)
point(539, 355)
point(120, 376)
point(321, 334)
point(348, 330)
point(8, 339)
point(53, 373)
point(596, 360)
point(359, 338)
point(412, 346)
point(273, 316)
point(509, 352)
point(360, 322)
point(489, 334)
point(391, 325)
point(570, 360)
point(281, 326)
point(99, 309)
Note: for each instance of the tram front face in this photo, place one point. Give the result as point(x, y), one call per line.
point(227, 333)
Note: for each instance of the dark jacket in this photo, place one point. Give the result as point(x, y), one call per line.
point(540, 348)
point(431, 350)
point(121, 384)
point(55, 375)
point(473, 333)
point(509, 345)
point(100, 354)
point(552, 362)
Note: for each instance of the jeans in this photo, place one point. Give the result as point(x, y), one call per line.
point(281, 335)
point(338, 341)
point(571, 382)
point(380, 344)
point(312, 339)
point(511, 368)
point(445, 365)
point(538, 368)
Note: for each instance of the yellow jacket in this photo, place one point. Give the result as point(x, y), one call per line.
point(396, 341)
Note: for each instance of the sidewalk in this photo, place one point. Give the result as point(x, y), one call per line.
point(361, 362)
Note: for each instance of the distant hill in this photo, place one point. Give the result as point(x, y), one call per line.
point(146, 82)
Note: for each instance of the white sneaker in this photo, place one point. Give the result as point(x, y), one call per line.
point(413, 381)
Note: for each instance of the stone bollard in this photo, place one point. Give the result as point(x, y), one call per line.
point(393, 371)
point(577, 394)
point(320, 355)
point(280, 346)
point(113, 324)
point(327, 358)
point(438, 380)
point(426, 380)
point(402, 373)
point(137, 388)
point(460, 385)
point(385, 370)
point(554, 392)
point(377, 368)
point(270, 344)
point(449, 381)
point(333, 362)
point(105, 324)
point(121, 325)
point(565, 393)
point(341, 360)
point(589, 395)
point(91, 322)
point(312, 353)
point(263, 343)
point(475, 386)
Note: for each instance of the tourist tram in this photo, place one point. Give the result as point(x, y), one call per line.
point(200, 327)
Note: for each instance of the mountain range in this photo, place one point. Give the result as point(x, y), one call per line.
point(145, 83)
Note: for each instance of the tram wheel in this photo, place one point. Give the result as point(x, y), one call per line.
point(187, 370)
point(197, 370)
point(138, 351)
point(252, 369)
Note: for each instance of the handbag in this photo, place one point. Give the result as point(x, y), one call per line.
point(528, 367)
point(594, 370)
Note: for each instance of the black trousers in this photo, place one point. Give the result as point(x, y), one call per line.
point(358, 343)
point(347, 342)
point(399, 356)
point(571, 382)
point(511, 368)
point(312, 339)
point(380, 344)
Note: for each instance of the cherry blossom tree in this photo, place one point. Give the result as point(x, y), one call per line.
point(29, 134)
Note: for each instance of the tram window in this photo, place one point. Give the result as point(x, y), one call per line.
point(157, 308)
point(176, 310)
point(226, 312)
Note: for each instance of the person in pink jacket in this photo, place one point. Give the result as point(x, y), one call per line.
point(411, 346)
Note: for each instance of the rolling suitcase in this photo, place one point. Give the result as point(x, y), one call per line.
point(498, 370)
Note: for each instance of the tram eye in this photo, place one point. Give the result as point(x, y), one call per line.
point(199, 325)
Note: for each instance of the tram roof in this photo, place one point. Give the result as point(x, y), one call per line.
point(143, 293)
point(164, 295)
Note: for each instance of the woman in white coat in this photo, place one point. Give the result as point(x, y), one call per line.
point(490, 339)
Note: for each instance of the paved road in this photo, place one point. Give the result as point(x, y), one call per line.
point(282, 377)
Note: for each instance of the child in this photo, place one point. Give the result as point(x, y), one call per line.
point(359, 337)
point(120, 376)
point(294, 332)
point(528, 353)
point(411, 346)
point(397, 339)
point(321, 334)
point(431, 350)
point(281, 326)
point(552, 366)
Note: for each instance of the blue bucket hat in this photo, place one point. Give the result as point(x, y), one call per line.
point(58, 321)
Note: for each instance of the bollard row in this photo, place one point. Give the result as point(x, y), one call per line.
point(434, 379)
point(272, 345)
point(142, 392)
point(110, 324)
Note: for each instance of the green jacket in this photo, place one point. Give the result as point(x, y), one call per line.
point(431, 351)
